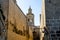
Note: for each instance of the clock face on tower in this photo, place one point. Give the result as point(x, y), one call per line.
point(30, 16)
point(30, 20)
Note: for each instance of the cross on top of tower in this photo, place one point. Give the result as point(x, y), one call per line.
point(30, 10)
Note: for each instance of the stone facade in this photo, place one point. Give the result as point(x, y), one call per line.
point(52, 18)
point(52, 8)
point(15, 22)
point(35, 29)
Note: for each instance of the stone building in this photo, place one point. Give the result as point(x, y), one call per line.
point(30, 19)
point(36, 33)
point(17, 27)
point(13, 22)
point(35, 29)
point(52, 18)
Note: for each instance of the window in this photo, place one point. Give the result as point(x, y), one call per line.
point(28, 20)
point(3, 17)
point(0, 5)
point(57, 31)
point(0, 31)
point(58, 35)
point(52, 32)
point(49, 1)
point(54, 38)
point(52, 35)
point(2, 14)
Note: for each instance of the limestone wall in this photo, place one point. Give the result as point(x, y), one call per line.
point(17, 19)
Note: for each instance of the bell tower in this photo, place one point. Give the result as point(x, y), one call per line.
point(30, 17)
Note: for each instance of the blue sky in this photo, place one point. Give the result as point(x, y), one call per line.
point(36, 6)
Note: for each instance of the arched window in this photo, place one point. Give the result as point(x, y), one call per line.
point(28, 20)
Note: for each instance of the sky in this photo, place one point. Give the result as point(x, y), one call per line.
point(36, 6)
